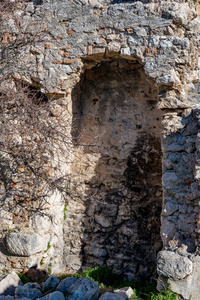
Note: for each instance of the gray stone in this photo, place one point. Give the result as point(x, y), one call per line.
point(50, 283)
point(65, 284)
point(169, 180)
point(188, 287)
point(6, 297)
point(53, 296)
point(83, 289)
point(127, 292)
point(9, 283)
point(27, 292)
point(111, 296)
point(32, 285)
point(170, 208)
point(172, 265)
point(25, 244)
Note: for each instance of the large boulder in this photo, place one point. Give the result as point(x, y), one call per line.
point(173, 265)
point(83, 289)
point(27, 292)
point(25, 244)
point(9, 283)
point(65, 284)
point(50, 283)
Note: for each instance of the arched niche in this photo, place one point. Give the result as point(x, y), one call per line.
point(116, 169)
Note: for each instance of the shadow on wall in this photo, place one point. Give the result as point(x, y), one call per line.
point(117, 170)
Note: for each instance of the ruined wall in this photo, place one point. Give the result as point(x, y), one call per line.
point(125, 77)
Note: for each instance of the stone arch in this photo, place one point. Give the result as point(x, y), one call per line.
point(117, 168)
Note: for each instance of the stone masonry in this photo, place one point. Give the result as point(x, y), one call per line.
point(123, 80)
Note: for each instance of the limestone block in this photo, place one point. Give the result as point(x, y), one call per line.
point(172, 265)
point(189, 287)
point(53, 296)
point(84, 289)
point(50, 283)
point(65, 284)
point(9, 283)
point(25, 244)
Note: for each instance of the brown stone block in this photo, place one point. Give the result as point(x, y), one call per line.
point(48, 46)
point(96, 12)
point(198, 9)
point(65, 47)
point(70, 31)
point(69, 60)
point(151, 51)
point(57, 62)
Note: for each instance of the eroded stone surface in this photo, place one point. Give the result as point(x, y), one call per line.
point(26, 244)
point(173, 265)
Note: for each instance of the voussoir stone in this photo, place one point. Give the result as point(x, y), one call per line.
point(9, 283)
point(83, 289)
point(25, 244)
point(50, 283)
point(53, 296)
point(173, 265)
point(65, 284)
point(27, 292)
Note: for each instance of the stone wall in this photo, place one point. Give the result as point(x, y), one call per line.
point(125, 83)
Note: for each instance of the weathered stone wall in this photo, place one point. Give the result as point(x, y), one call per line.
point(108, 65)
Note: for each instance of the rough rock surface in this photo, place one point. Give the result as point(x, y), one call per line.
point(110, 296)
point(65, 284)
point(50, 283)
point(9, 283)
point(27, 292)
point(25, 244)
point(53, 296)
point(173, 265)
point(83, 289)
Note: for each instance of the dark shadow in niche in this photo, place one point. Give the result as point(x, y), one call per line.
point(117, 145)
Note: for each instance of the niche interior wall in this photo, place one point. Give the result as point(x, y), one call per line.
point(117, 169)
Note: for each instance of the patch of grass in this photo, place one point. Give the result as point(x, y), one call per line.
point(18, 228)
point(64, 211)
point(42, 261)
point(23, 278)
point(144, 290)
point(48, 247)
point(49, 271)
point(9, 231)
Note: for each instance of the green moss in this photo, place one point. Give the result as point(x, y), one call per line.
point(23, 278)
